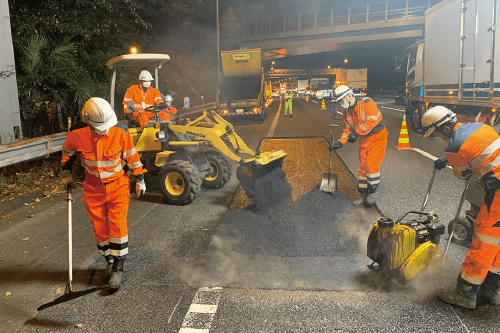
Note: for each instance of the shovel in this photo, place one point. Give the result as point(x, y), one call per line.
point(329, 181)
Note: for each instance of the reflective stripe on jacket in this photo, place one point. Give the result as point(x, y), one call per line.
point(364, 119)
point(475, 148)
point(103, 157)
point(138, 96)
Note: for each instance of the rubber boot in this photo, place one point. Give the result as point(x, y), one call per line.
point(490, 289)
point(464, 295)
point(361, 200)
point(108, 271)
point(371, 198)
point(117, 274)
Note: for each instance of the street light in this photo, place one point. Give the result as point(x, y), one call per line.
point(345, 60)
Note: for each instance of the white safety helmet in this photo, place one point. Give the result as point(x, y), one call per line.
point(341, 92)
point(98, 113)
point(145, 76)
point(168, 100)
point(435, 117)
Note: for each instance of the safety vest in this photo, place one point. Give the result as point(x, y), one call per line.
point(141, 99)
point(364, 119)
point(103, 157)
point(474, 148)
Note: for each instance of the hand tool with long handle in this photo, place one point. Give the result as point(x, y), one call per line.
point(69, 287)
point(329, 181)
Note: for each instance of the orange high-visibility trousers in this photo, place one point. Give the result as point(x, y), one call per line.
point(107, 206)
point(143, 117)
point(371, 150)
point(484, 254)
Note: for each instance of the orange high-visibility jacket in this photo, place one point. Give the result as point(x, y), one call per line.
point(475, 149)
point(103, 157)
point(140, 98)
point(364, 119)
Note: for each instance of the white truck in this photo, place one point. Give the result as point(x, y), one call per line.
point(457, 64)
point(356, 79)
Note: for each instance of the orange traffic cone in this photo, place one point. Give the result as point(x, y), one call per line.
point(404, 140)
point(307, 98)
point(323, 107)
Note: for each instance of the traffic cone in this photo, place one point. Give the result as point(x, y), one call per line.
point(323, 107)
point(404, 140)
point(307, 98)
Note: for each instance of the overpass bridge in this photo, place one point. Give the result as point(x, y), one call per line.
point(326, 29)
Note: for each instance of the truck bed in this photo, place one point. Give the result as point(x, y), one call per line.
point(240, 87)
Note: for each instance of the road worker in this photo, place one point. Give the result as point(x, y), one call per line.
point(472, 149)
point(363, 120)
point(288, 103)
point(169, 109)
point(105, 147)
point(143, 96)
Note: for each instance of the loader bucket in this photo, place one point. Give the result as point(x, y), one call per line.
point(263, 180)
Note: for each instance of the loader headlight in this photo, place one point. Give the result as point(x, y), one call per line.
point(160, 135)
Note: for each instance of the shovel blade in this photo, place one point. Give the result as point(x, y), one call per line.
point(328, 183)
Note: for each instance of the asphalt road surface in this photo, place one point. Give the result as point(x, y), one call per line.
point(203, 268)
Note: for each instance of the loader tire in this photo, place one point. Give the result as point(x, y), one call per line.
point(179, 182)
point(464, 230)
point(221, 170)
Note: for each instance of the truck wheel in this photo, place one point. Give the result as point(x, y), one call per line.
point(464, 229)
point(262, 116)
point(179, 182)
point(416, 119)
point(221, 170)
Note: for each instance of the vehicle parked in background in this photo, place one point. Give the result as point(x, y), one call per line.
point(399, 97)
point(457, 65)
point(242, 89)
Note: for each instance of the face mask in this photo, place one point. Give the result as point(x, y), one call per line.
point(146, 84)
point(99, 132)
point(344, 104)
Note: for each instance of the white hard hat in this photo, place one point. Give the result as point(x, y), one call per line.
point(145, 76)
point(435, 117)
point(168, 100)
point(98, 113)
point(341, 92)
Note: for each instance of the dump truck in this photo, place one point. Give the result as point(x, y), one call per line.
point(242, 89)
point(457, 64)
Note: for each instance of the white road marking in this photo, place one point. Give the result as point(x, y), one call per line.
point(275, 122)
point(426, 154)
point(386, 107)
point(196, 315)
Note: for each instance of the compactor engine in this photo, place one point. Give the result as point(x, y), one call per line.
point(403, 249)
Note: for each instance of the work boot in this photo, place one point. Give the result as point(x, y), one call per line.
point(291, 116)
point(108, 271)
point(371, 198)
point(490, 289)
point(361, 200)
point(464, 294)
point(117, 274)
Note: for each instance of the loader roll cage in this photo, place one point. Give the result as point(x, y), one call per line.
point(143, 60)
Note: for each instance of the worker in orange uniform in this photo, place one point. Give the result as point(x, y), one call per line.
point(144, 96)
point(472, 149)
point(106, 147)
point(363, 120)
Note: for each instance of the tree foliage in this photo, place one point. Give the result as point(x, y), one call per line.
point(62, 46)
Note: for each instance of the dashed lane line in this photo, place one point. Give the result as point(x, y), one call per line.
point(202, 311)
point(386, 107)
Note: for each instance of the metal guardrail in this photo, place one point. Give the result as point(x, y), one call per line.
point(36, 148)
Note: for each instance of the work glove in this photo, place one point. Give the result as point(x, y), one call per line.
point(441, 163)
point(67, 179)
point(140, 188)
point(352, 137)
point(336, 145)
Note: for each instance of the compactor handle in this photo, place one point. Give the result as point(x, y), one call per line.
point(332, 125)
